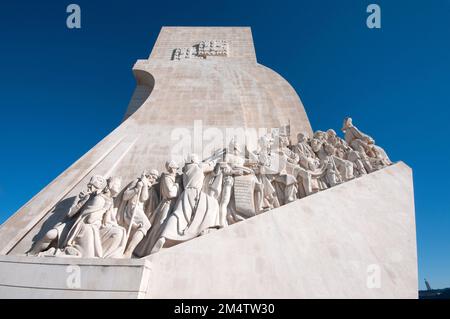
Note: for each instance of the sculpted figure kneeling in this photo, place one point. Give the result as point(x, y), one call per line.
point(53, 239)
point(96, 232)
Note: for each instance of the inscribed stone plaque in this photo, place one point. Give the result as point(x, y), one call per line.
point(244, 187)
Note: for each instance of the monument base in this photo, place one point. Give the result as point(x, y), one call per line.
point(355, 240)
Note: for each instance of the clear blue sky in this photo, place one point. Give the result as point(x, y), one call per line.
point(62, 91)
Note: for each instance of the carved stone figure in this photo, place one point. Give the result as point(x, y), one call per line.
point(310, 180)
point(170, 190)
point(96, 232)
point(53, 238)
point(265, 191)
point(341, 147)
point(358, 142)
point(131, 211)
point(331, 175)
point(153, 194)
point(379, 156)
point(285, 182)
point(230, 186)
point(214, 182)
point(320, 135)
point(344, 167)
point(237, 201)
point(353, 136)
point(84, 239)
point(113, 236)
point(373, 157)
point(195, 212)
point(343, 151)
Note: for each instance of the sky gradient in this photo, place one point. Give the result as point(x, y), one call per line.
point(62, 90)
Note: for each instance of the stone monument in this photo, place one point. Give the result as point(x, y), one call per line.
point(202, 192)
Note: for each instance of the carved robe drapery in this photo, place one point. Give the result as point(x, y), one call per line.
point(169, 190)
point(195, 211)
point(84, 239)
point(132, 211)
point(152, 202)
point(353, 135)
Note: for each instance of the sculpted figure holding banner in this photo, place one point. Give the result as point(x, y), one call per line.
point(196, 212)
point(378, 157)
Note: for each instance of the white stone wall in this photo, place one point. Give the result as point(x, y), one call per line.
point(322, 246)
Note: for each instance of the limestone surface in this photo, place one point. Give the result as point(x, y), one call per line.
point(331, 217)
point(355, 240)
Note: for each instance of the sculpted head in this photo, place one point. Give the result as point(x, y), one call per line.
point(153, 175)
point(114, 185)
point(316, 144)
point(332, 137)
point(97, 183)
point(331, 133)
point(301, 138)
point(329, 149)
point(347, 123)
point(171, 167)
point(193, 159)
point(320, 135)
point(145, 174)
